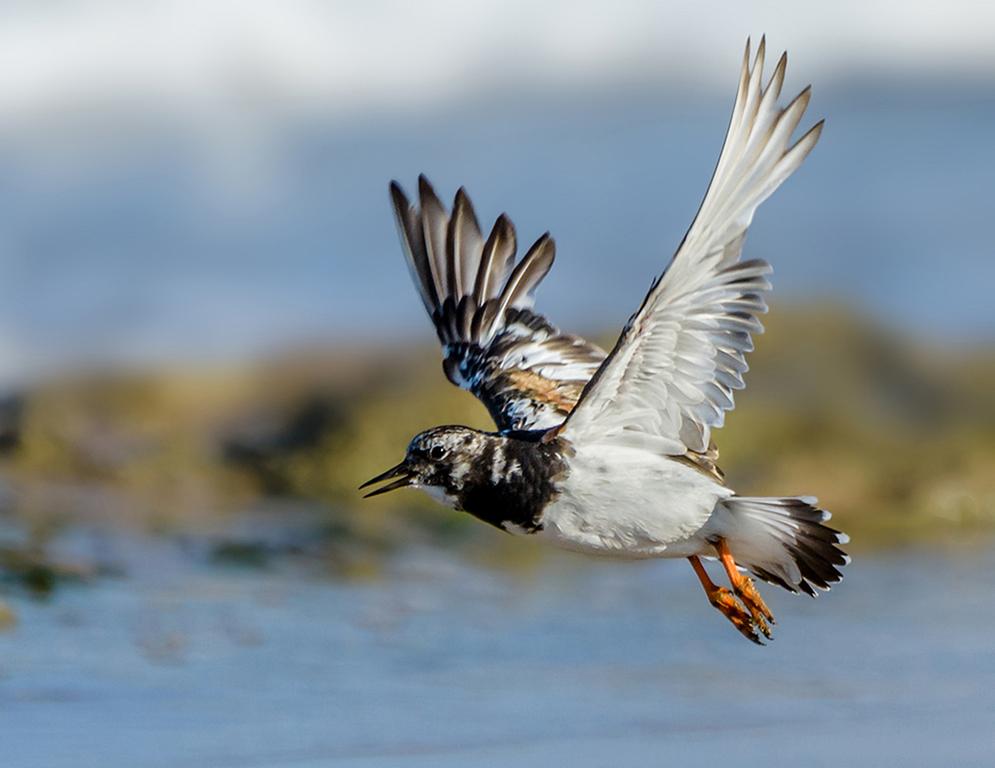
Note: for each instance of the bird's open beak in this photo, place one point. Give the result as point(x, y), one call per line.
point(404, 478)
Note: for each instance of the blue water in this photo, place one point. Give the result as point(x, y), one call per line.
point(150, 245)
point(445, 663)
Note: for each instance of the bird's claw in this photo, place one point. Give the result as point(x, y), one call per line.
point(742, 619)
point(747, 592)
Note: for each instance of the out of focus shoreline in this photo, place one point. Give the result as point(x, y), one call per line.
point(897, 440)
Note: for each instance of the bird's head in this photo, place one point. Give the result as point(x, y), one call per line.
point(438, 461)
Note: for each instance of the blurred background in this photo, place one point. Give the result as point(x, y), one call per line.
point(208, 339)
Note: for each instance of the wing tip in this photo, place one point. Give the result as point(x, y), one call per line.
point(397, 195)
point(504, 224)
point(758, 61)
point(426, 192)
point(542, 249)
point(461, 204)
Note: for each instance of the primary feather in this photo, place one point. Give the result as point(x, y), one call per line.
point(527, 372)
point(671, 376)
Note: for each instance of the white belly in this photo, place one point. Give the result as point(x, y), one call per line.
point(625, 502)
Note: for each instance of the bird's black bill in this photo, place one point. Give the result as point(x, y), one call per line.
point(401, 472)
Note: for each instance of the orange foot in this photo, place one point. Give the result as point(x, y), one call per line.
point(745, 590)
point(724, 600)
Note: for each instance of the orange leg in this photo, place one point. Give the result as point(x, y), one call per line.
point(745, 589)
point(723, 599)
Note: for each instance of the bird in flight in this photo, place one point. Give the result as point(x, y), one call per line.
point(612, 454)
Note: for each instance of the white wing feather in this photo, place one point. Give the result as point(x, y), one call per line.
point(671, 376)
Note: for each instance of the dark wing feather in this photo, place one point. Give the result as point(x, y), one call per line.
point(496, 261)
point(413, 241)
point(527, 372)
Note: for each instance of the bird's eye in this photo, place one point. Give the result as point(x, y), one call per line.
point(436, 452)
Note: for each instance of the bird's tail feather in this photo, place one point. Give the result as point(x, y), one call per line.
point(785, 541)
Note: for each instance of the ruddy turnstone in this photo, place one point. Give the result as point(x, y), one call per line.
point(613, 454)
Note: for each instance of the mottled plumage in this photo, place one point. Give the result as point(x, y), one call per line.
point(506, 481)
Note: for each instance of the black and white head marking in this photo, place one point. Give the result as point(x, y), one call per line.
point(441, 459)
point(503, 479)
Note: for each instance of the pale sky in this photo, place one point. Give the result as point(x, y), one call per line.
point(197, 57)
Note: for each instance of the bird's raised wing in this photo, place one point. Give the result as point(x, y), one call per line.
point(671, 376)
point(527, 373)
